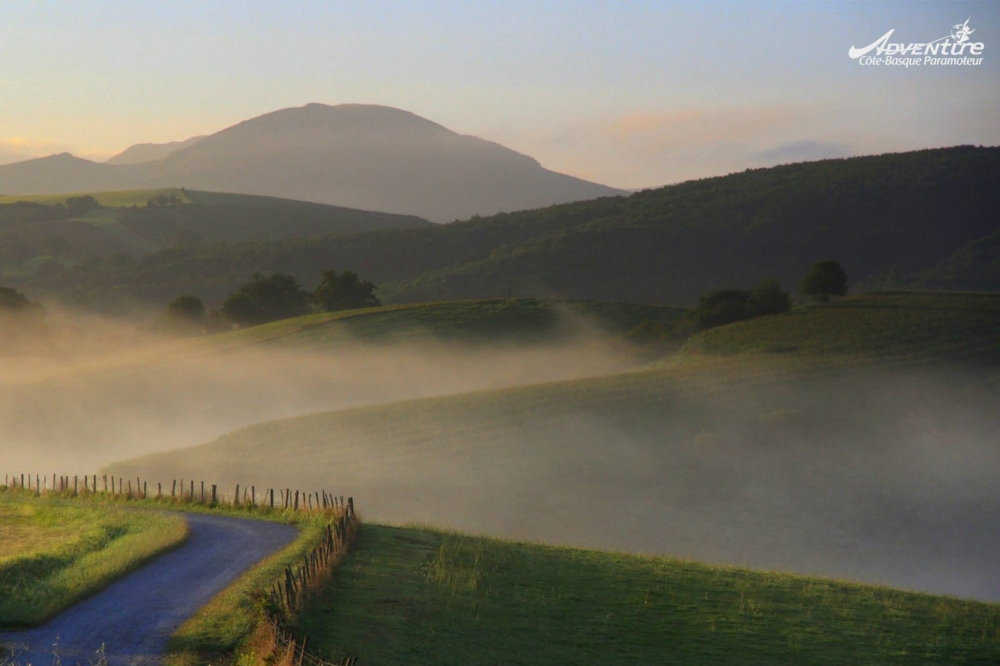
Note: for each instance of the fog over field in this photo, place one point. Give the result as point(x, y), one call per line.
point(885, 476)
point(879, 476)
point(87, 391)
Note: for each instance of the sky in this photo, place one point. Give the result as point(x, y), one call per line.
point(630, 94)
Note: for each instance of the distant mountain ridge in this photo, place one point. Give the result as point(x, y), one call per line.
point(353, 155)
point(665, 246)
point(150, 152)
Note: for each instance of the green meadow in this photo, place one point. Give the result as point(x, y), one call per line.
point(54, 552)
point(415, 596)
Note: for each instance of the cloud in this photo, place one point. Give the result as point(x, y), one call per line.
point(802, 151)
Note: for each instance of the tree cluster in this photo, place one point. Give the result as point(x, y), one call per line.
point(267, 298)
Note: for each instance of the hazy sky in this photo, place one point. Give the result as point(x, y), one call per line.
point(630, 94)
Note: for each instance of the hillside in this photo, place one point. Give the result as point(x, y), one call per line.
point(836, 459)
point(516, 320)
point(39, 235)
point(353, 155)
point(908, 210)
point(419, 597)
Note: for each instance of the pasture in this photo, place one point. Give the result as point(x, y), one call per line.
point(860, 465)
point(415, 596)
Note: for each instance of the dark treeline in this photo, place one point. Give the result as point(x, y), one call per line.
point(669, 245)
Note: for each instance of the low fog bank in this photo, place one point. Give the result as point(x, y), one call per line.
point(887, 478)
point(87, 391)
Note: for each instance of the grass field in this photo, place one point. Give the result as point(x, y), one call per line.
point(479, 322)
point(919, 326)
point(422, 597)
point(55, 552)
point(861, 463)
point(115, 199)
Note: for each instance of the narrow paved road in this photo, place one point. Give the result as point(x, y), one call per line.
point(134, 617)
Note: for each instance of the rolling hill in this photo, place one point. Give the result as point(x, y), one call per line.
point(38, 234)
point(907, 210)
point(353, 155)
point(823, 450)
point(506, 321)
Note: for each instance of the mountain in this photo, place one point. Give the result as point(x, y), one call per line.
point(62, 173)
point(352, 155)
point(664, 246)
point(150, 152)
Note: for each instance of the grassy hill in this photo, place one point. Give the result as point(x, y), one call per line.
point(668, 245)
point(521, 320)
point(41, 238)
point(821, 449)
point(417, 596)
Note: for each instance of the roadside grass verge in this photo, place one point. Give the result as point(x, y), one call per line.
point(55, 552)
point(418, 596)
point(226, 627)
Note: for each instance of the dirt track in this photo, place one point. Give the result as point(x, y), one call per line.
point(134, 617)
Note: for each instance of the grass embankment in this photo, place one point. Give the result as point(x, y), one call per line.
point(418, 596)
point(54, 552)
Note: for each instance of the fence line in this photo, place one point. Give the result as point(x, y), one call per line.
point(285, 598)
point(185, 492)
point(288, 597)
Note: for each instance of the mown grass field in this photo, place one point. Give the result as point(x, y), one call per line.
point(54, 552)
point(114, 199)
point(415, 597)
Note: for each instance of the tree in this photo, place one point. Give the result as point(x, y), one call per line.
point(187, 309)
point(265, 299)
point(346, 291)
point(721, 307)
point(766, 297)
point(81, 205)
point(12, 300)
point(825, 279)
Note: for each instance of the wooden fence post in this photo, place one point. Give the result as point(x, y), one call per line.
point(213, 494)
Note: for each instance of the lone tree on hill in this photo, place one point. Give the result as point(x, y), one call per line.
point(266, 299)
point(825, 279)
point(346, 291)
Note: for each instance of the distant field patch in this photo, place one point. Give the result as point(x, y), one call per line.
point(54, 553)
point(923, 326)
point(116, 199)
point(417, 596)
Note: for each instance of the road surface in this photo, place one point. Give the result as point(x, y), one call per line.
point(134, 617)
